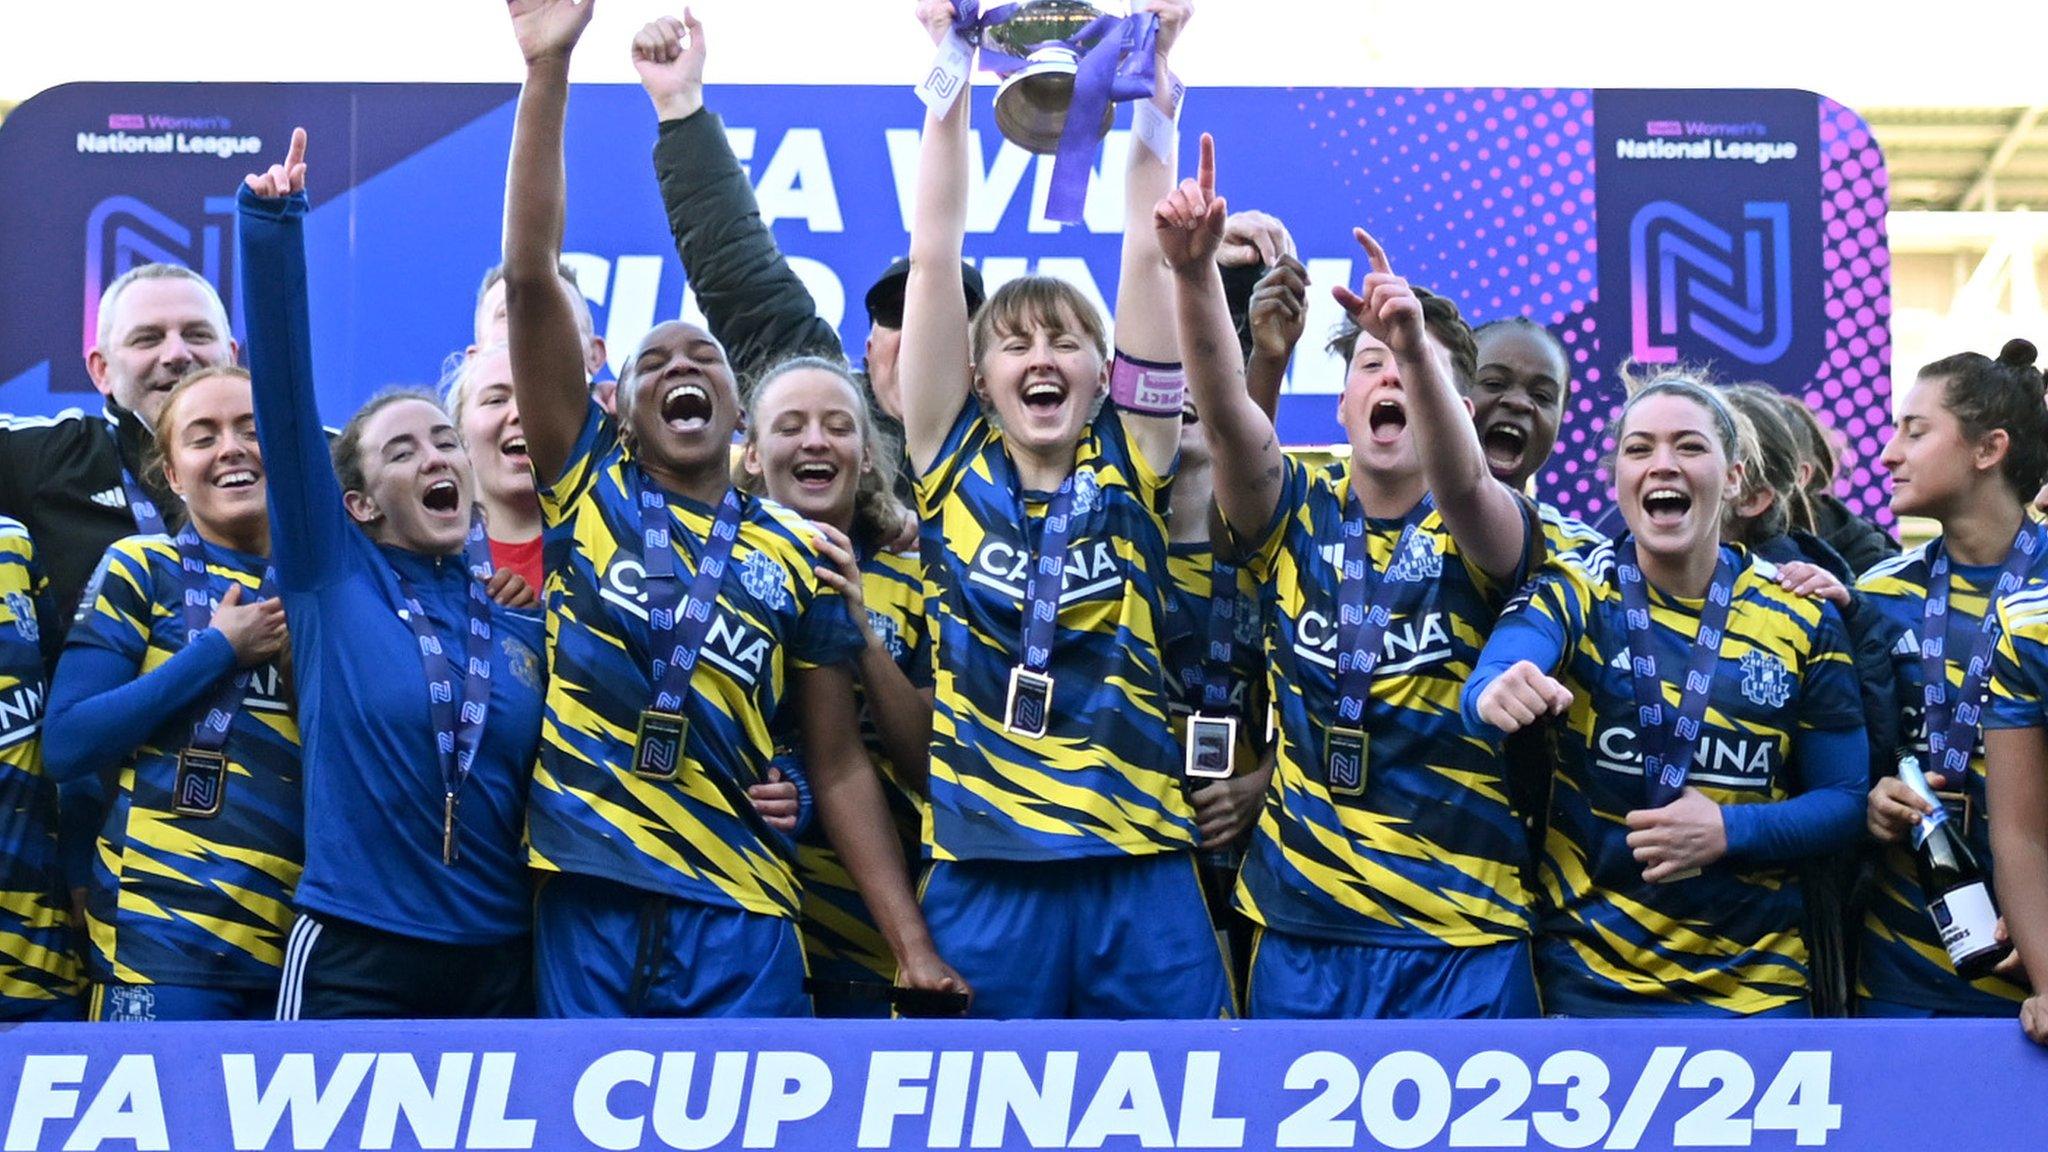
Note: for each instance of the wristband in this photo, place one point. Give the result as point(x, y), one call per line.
point(1159, 132)
point(1145, 388)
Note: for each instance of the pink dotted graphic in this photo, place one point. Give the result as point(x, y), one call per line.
point(1485, 196)
point(1851, 391)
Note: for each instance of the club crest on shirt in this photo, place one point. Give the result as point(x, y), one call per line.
point(522, 662)
point(23, 610)
point(764, 580)
point(884, 627)
point(1765, 680)
point(1087, 492)
point(1418, 562)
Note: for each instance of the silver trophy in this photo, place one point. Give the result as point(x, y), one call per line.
point(1031, 103)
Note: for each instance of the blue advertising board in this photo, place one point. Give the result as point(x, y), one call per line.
point(1743, 228)
point(565, 1086)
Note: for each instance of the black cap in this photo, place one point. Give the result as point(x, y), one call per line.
point(885, 299)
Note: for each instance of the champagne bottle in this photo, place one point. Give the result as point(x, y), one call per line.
point(1958, 898)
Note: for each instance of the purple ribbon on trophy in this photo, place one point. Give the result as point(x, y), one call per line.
point(1064, 63)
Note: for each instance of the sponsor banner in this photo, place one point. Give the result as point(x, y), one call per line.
point(1741, 227)
point(564, 1086)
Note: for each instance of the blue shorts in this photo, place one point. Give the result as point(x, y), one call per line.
point(603, 949)
point(1120, 937)
point(1299, 978)
point(115, 1003)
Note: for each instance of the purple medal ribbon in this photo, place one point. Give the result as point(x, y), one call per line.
point(1211, 673)
point(1952, 734)
point(1365, 607)
point(149, 521)
point(458, 729)
point(680, 623)
point(210, 731)
point(1668, 747)
point(476, 549)
point(1047, 579)
point(1115, 61)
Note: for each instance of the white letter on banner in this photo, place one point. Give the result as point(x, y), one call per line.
point(798, 184)
point(1316, 372)
point(592, 1108)
point(127, 1107)
point(434, 1115)
point(38, 1098)
point(989, 191)
point(1103, 210)
point(1043, 1113)
point(788, 1086)
point(1126, 1103)
point(672, 1120)
point(888, 1097)
point(949, 1099)
point(489, 1127)
point(253, 1113)
point(636, 280)
point(1199, 1125)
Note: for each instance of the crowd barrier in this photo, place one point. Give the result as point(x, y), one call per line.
point(1873, 1086)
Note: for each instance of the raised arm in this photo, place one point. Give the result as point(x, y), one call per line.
point(1276, 316)
point(932, 362)
point(753, 301)
point(310, 533)
point(1145, 313)
point(1484, 516)
point(545, 345)
point(1188, 228)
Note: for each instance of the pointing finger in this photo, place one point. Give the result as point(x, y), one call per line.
point(296, 154)
point(1205, 172)
point(1373, 252)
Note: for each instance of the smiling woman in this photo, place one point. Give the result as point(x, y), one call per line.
point(1697, 818)
point(419, 696)
point(199, 852)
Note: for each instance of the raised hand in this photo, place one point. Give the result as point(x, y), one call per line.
point(1520, 696)
point(549, 29)
point(1252, 238)
point(937, 16)
point(669, 56)
point(1173, 16)
point(1189, 221)
point(1384, 305)
point(1279, 308)
point(283, 179)
point(256, 631)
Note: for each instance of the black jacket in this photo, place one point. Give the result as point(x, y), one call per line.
point(61, 476)
point(756, 306)
point(1859, 541)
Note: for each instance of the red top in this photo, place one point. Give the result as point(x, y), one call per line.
point(521, 556)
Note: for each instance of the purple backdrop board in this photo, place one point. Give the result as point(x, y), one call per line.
point(1744, 228)
point(568, 1086)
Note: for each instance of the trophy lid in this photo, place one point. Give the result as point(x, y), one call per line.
point(1036, 23)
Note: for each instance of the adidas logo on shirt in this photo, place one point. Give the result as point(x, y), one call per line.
point(110, 498)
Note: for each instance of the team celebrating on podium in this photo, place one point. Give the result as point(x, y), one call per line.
point(1019, 673)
